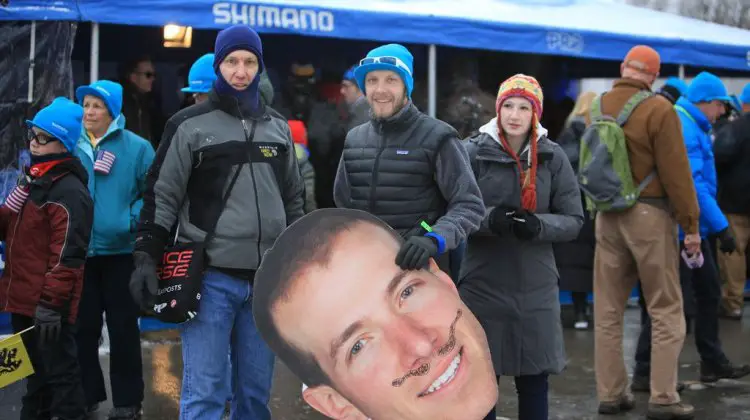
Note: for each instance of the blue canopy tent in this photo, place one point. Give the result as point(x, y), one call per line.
point(599, 29)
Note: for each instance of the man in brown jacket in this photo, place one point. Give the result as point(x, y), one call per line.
point(642, 242)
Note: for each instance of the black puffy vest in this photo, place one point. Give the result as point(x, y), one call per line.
point(390, 165)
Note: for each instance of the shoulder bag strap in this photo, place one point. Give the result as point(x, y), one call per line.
point(212, 230)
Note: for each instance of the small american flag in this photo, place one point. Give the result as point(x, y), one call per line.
point(104, 162)
point(16, 198)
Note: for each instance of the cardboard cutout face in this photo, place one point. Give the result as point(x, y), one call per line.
point(395, 344)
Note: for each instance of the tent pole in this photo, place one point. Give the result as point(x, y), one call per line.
point(432, 81)
point(94, 52)
point(32, 54)
point(681, 72)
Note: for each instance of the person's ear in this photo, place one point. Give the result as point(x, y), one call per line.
point(441, 275)
point(330, 403)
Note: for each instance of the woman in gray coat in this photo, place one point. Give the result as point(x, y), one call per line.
point(509, 278)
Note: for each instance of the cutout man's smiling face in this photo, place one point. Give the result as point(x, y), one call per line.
point(395, 344)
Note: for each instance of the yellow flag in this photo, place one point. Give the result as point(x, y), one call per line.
point(14, 360)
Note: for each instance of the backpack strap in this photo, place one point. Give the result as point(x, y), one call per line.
point(647, 180)
point(596, 112)
point(631, 105)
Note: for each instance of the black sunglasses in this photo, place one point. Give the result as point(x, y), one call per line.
point(41, 139)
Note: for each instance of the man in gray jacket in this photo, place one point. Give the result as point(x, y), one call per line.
point(408, 169)
point(202, 148)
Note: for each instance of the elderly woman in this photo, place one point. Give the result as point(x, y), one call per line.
point(509, 278)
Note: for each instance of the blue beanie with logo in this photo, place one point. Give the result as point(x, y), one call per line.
point(393, 57)
point(707, 87)
point(62, 119)
point(109, 92)
point(202, 75)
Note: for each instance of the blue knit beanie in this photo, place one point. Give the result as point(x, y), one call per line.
point(109, 92)
point(62, 119)
point(381, 59)
point(202, 75)
point(707, 87)
point(237, 37)
point(745, 95)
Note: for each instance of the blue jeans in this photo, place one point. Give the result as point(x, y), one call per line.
point(225, 322)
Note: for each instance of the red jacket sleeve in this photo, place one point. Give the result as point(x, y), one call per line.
point(70, 220)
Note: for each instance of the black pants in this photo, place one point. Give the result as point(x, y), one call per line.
point(105, 290)
point(706, 293)
point(54, 390)
point(580, 304)
point(533, 403)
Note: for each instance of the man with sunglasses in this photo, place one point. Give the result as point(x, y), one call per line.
point(139, 102)
point(46, 223)
point(407, 168)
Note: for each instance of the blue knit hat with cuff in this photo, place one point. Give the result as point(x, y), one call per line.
point(393, 57)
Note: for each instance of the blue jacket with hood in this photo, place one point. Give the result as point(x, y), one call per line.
point(118, 196)
point(696, 130)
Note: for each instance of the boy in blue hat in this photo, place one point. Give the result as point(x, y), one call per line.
point(116, 160)
point(421, 183)
point(45, 223)
point(201, 78)
point(704, 102)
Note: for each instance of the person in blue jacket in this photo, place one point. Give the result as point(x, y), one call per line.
point(116, 160)
point(705, 100)
point(201, 78)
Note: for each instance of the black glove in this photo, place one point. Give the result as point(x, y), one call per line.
point(500, 220)
point(727, 244)
point(526, 226)
point(144, 282)
point(48, 323)
point(416, 252)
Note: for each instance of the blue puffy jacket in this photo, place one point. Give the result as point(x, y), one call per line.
point(696, 130)
point(118, 196)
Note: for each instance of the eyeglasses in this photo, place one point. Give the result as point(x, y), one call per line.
point(41, 139)
point(393, 61)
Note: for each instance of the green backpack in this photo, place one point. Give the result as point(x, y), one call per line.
point(604, 167)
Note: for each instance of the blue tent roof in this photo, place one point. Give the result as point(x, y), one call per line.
point(601, 29)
